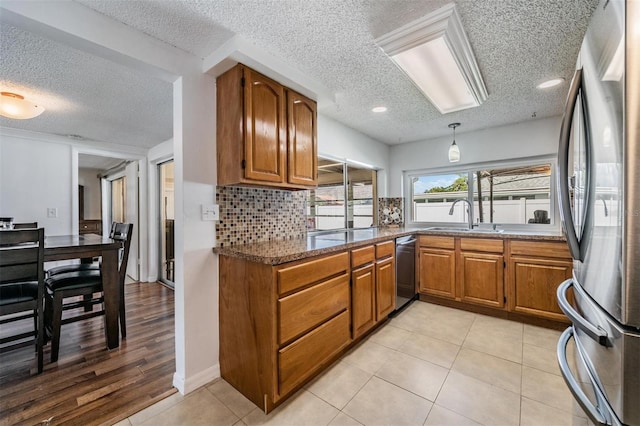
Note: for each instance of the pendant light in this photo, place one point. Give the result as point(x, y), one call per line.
point(16, 106)
point(454, 151)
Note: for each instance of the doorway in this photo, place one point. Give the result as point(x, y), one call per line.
point(166, 199)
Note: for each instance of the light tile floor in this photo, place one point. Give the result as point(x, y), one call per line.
point(430, 365)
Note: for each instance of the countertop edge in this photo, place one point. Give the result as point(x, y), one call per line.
point(250, 251)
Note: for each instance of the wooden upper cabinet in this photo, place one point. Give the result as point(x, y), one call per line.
point(302, 140)
point(266, 133)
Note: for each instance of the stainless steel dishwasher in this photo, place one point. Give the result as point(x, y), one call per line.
point(405, 271)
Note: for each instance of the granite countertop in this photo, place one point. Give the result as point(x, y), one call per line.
point(278, 252)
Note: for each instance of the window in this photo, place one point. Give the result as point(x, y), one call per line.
point(506, 194)
point(345, 197)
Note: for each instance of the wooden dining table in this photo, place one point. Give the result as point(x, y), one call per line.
point(66, 247)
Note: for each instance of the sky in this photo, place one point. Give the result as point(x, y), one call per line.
point(424, 183)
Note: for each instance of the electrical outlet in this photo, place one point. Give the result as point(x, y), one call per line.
point(210, 212)
point(52, 212)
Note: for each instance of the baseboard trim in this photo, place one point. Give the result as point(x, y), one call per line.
point(189, 384)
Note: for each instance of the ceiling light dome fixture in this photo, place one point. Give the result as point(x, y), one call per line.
point(16, 106)
point(454, 151)
point(379, 109)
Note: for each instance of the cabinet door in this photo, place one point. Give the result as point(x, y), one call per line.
point(363, 297)
point(438, 272)
point(385, 287)
point(302, 140)
point(482, 278)
point(534, 283)
point(265, 131)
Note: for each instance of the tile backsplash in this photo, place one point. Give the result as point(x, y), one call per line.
point(390, 211)
point(250, 215)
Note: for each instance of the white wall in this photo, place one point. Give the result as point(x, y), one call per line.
point(342, 142)
point(35, 175)
point(527, 139)
point(92, 195)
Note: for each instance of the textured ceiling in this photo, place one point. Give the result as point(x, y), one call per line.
point(518, 44)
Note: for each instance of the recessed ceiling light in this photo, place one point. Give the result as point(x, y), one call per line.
point(434, 52)
point(379, 109)
point(550, 83)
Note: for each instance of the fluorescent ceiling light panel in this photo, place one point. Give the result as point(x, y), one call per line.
point(435, 54)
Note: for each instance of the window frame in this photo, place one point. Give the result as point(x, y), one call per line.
point(346, 163)
point(469, 169)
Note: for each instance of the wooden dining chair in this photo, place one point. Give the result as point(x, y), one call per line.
point(22, 286)
point(83, 283)
point(25, 225)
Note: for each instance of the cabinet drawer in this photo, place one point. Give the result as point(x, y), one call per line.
point(482, 244)
point(305, 356)
point(301, 275)
point(540, 248)
point(362, 256)
point(303, 310)
point(434, 241)
point(385, 249)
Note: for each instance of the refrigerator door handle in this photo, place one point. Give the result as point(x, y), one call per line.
point(595, 332)
point(591, 410)
point(564, 203)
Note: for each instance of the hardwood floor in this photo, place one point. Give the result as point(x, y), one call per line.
point(89, 384)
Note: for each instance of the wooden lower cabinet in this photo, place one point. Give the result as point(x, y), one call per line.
point(481, 271)
point(481, 278)
point(535, 271)
point(437, 272)
point(281, 325)
point(512, 278)
point(385, 287)
point(373, 285)
point(363, 299)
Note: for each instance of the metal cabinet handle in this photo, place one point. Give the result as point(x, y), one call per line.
point(564, 202)
point(592, 411)
point(595, 332)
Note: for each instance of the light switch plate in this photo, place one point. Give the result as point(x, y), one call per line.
point(210, 212)
point(52, 212)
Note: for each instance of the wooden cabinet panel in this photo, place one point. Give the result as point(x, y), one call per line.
point(297, 276)
point(385, 287)
point(482, 279)
point(264, 103)
point(434, 241)
point(482, 244)
point(362, 256)
point(305, 356)
point(363, 299)
point(540, 248)
point(303, 310)
point(302, 140)
point(437, 272)
point(386, 249)
point(534, 285)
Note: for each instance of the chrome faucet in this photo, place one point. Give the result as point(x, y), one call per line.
point(469, 211)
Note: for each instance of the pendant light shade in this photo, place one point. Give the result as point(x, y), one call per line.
point(16, 106)
point(454, 151)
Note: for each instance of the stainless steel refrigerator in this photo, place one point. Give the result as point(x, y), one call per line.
point(599, 200)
